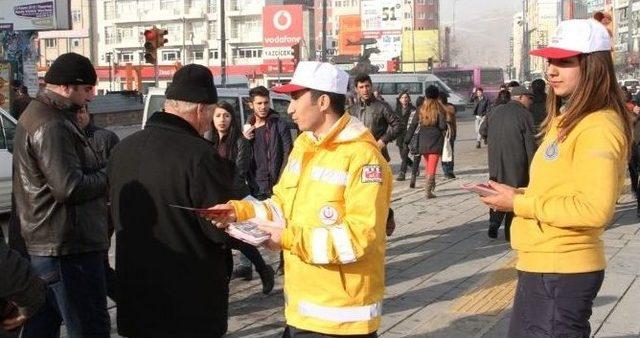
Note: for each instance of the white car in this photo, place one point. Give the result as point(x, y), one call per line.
point(7, 132)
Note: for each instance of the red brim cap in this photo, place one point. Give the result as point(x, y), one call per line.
point(554, 53)
point(287, 88)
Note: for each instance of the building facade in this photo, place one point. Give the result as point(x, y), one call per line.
point(77, 40)
point(516, 44)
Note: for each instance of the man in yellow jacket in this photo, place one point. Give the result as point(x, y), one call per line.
point(328, 212)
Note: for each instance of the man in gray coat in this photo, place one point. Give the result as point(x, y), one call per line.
point(510, 134)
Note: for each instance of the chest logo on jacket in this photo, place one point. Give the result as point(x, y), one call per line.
point(328, 215)
point(552, 152)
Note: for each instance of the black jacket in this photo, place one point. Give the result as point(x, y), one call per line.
point(538, 110)
point(269, 158)
point(60, 184)
point(403, 115)
point(240, 157)
point(431, 138)
point(511, 143)
point(102, 141)
point(18, 284)
point(481, 107)
point(172, 266)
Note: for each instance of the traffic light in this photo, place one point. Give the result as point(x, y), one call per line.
point(430, 64)
point(151, 46)
point(296, 53)
point(160, 33)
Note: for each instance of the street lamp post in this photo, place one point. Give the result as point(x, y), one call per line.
point(413, 35)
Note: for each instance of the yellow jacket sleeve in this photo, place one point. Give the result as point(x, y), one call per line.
point(361, 229)
point(595, 185)
point(269, 209)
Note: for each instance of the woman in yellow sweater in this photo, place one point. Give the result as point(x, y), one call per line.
point(576, 177)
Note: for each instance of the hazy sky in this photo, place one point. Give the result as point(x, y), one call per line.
point(482, 29)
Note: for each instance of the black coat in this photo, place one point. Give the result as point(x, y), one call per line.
point(172, 266)
point(538, 110)
point(269, 158)
point(511, 143)
point(430, 138)
point(481, 107)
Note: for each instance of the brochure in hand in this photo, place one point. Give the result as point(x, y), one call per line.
point(480, 189)
point(202, 212)
point(248, 232)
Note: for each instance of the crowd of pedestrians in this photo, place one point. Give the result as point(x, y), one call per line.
point(321, 189)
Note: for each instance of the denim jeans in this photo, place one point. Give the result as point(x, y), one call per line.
point(447, 167)
point(76, 295)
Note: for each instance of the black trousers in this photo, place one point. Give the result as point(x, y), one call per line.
point(292, 332)
point(554, 305)
point(249, 251)
point(497, 217)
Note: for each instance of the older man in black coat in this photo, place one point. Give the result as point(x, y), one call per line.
point(510, 133)
point(172, 266)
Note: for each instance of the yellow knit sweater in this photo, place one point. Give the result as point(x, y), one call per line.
point(571, 197)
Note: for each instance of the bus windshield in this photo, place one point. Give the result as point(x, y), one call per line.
point(491, 76)
point(457, 79)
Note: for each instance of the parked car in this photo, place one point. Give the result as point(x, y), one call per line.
point(237, 97)
point(7, 132)
point(632, 85)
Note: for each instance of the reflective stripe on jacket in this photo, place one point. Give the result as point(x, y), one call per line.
point(334, 197)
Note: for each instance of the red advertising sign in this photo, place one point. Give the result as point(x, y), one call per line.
point(282, 28)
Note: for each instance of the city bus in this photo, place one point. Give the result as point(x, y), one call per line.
point(463, 79)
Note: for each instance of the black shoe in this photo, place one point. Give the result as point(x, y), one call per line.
point(267, 277)
point(450, 176)
point(478, 145)
point(485, 142)
point(280, 269)
point(638, 211)
point(401, 177)
point(493, 231)
point(244, 272)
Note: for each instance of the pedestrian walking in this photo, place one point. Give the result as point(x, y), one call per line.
point(404, 110)
point(480, 111)
point(413, 147)
point(172, 266)
point(433, 124)
point(232, 146)
point(538, 106)
point(60, 200)
point(450, 135)
point(511, 145)
point(634, 160)
point(576, 176)
point(102, 141)
point(20, 99)
point(328, 212)
point(22, 293)
point(376, 115)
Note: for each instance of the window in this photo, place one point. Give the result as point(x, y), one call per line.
point(387, 88)
point(109, 10)
point(197, 55)
point(414, 88)
point(170, 55)
point(213, 54)
point(213, 30)
point(168, 4)
point(491, 76)
point(76, 15)
point(126, 57)
point(50, 43)
point(213, 6)
point(421, 16)
point(75, 42)
point(9, 131)
point(247, 53)
point(109, 35)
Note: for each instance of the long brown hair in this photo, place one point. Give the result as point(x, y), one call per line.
point(598, 90)
point(429, 112)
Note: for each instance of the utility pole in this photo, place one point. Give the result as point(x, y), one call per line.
point(324, 31)
point(525, 42)
point(223, 47)
point(184, 37)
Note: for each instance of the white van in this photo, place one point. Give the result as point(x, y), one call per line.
point(7, 132)
point(237, 97)
point(390, 86)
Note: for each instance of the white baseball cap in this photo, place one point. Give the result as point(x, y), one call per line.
point(316, 75)
point(575, 37)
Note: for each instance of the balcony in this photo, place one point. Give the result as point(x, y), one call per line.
point(244, 36)
point(245, 8)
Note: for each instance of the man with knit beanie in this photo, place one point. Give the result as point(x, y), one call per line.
point(172, 267)
point(60, 190)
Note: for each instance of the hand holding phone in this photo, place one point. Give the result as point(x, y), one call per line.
point(480, 188)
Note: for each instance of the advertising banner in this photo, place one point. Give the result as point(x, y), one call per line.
point(35, 15)
point(350, 31)
point(381, 15)
point(427, 46)
point(282, 28)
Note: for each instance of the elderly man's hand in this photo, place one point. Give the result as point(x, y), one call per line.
point(220, 215)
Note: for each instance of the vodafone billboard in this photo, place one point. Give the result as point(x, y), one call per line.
point(282, 28)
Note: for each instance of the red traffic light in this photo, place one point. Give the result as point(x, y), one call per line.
point(149, 35)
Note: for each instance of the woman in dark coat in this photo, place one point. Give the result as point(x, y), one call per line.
point(231, 145)
point(433, 124)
